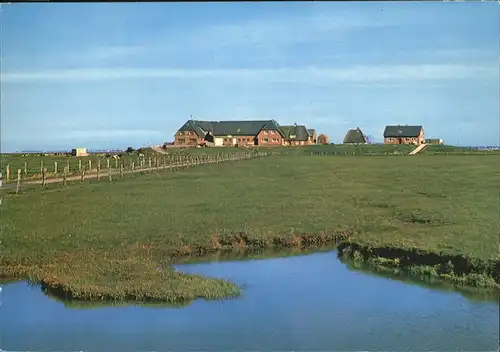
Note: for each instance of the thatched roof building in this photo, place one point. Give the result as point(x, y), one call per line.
point(355, 136)
point(323, 139)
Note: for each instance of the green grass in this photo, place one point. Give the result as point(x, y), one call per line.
point(450, 150)
point(102, 241)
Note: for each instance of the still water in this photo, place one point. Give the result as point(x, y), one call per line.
point(311, 302)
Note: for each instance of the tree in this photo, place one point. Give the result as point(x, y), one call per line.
point(130, 150)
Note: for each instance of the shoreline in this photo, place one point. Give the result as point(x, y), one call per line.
point(458, 269)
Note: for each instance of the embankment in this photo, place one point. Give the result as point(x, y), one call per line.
point(460, 269)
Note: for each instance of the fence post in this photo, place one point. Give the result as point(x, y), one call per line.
point(25, 169)
point(150, 170)
point(18, 185)
point(110, 175)
point(116, 163)
point(107, 162)
point(82, 175)
point(41, 166)
point(65, 173)
point(132, 166)
point(67, 165)
point(90, 165)
point(55, 168)
point(44, 173)
point(98, 169)
point(79, 165)
point(121, 170)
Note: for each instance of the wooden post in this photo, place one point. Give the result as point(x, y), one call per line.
point(41, 167)
point(25, 169)
point(150, 165)
point(67, 166)
point(82, 175)
point(44, 173)
point(90, 165)
point(110, 176)
point(107, 162)
point(65, 176)
point(79, 165)
point(98, 169)
point(116, 163)
point(18, 185)
point(133, 166)
point(121, 170)
point(7, 173)
point(141, 166)
point(55, 168)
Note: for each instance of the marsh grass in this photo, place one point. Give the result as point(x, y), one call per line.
point(106, 241)
point(471, 292)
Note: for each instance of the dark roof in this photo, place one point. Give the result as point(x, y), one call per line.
point(191, 125)
point(233, 128)
point(311, 132)
point(298, 131)
point(402, 131)
point(355, 136)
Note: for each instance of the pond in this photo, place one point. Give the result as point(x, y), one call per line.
point(307, 302)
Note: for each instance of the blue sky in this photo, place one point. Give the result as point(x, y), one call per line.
point(110, 75)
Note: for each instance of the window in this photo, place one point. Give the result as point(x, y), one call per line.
point(293, 136)
point(266, 140)
point(181, 140)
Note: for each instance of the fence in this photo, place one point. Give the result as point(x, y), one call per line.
point(118, 168)
point(359, 153)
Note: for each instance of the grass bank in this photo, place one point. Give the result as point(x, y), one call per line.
point(116, 241)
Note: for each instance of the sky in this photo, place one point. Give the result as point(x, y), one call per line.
point(113, 75)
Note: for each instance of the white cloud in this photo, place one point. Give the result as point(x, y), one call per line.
point(354, 74)
point(112, 51)
point(108, 133)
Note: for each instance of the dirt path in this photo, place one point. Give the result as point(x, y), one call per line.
point(159, 150)
point(418, 149)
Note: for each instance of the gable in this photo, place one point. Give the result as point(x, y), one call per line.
point(295, 133)
point(230, 128)
point(191, 125)
point(355, 136)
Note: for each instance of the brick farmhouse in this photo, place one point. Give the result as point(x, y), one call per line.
point(404, 135)
point(242, 133)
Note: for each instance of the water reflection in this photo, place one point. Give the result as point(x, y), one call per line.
point(298, 302)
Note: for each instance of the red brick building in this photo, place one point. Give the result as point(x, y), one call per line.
point(404, 135)
point(230, 133)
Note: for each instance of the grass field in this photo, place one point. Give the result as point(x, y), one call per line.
point(32, 164)
point(103, 240)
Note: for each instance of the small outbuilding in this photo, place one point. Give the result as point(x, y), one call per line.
point(79, 152)
point(355, 136)
point(323, 139)
point(434, 141)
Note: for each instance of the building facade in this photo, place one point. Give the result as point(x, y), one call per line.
point(230, 133)
point(404, 134)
